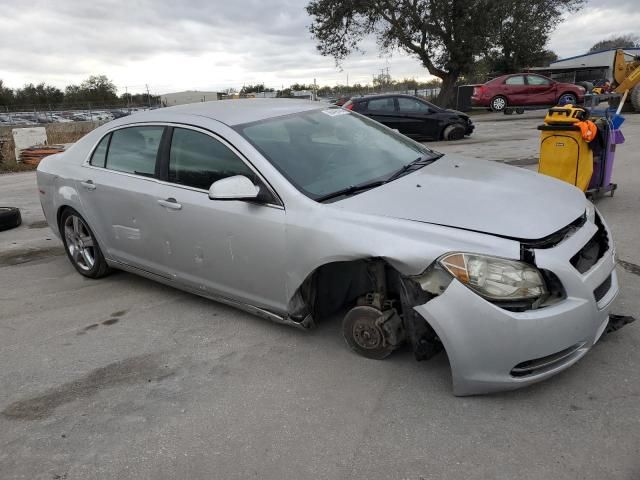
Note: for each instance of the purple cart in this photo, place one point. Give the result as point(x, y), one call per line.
point(603, 162)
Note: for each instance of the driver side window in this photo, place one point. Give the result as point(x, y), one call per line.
point(197, 160)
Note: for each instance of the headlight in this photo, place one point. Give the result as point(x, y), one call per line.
point(495, 278)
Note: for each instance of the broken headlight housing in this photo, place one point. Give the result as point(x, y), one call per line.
point(495, 278)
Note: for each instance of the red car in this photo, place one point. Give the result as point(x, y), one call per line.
point(524, 89)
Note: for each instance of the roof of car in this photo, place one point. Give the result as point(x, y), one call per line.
point(233, 112)
point(382, 95)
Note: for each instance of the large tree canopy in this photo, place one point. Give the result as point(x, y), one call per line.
point(446, 36)
point(623, 41)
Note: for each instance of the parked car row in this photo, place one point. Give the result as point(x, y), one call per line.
point(35, 118)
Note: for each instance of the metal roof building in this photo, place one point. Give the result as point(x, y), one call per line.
point(588, 67)
point(188, 96)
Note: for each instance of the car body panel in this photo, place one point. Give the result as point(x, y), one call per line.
point(258, 256)
point(474, 191)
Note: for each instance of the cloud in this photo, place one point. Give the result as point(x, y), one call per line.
point(202, 44)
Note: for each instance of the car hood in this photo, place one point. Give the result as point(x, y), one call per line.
point(457, 112)
point(476, 195)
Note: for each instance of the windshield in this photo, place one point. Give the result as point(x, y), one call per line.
point(325, 151)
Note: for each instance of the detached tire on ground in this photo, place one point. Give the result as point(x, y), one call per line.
point(635, 98)
point(453, 132)
point(9, 218)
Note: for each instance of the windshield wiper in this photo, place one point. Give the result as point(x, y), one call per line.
point(415, 165)
point(351, 190)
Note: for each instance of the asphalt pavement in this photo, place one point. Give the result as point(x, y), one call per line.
point(123, 378)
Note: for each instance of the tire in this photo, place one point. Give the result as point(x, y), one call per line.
point(520, 111)
point(453, 132)
point(9, 218)
point(569, 98)
point(508, 111)
point(498, 103)
point(81, 245)
point(635, 98)
point(363, 335)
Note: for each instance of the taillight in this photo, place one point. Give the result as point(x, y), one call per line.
point(349, 106)
point(478, 90)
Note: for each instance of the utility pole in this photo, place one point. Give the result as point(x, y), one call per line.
point(148, 96)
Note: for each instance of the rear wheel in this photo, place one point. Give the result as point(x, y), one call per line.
point(498, 104)
point(520, 110)
point(81, 245)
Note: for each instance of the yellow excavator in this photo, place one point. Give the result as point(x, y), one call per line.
point(626, 79)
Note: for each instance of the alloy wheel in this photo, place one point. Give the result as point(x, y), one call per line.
point(80, 243)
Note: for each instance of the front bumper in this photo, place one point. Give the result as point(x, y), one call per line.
point(492, 349)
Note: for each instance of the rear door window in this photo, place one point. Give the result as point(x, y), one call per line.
point(407, 105)
point(535, 80)
point(197, 159)
point(517, 80)
point(381, 105)
point(134, 150)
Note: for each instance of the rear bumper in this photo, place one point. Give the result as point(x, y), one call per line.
point(492, 349)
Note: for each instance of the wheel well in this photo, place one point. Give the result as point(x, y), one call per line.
point(567, 93)
point(59, 213)
point(337, 286)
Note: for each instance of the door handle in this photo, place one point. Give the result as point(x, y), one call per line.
point(170, 203)
point(88, 185)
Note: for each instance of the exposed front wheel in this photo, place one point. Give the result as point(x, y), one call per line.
point(81, 245)
point(453, 132)
point(498, 104)
point(363, 331)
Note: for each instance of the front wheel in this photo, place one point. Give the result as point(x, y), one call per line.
point(363, 332)
point(568, 99)
point(498, 104)
point(453, 132)
point(81, 245)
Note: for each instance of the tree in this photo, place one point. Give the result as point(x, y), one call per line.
point(98, 88)
point(446, 36)
point(257, 88)
point(40, 94)
point(6, 95)
point(623, 41)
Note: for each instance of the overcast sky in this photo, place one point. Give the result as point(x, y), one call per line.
point(211, 45)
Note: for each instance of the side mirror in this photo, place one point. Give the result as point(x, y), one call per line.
point(237, 187)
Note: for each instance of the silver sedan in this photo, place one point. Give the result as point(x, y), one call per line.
point(296, 211)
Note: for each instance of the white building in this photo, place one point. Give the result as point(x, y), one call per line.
point(188, 96)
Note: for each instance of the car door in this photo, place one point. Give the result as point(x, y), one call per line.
point(118, 193)
point(229, 248)
point(417, 119)
point(383, 110)
point(515, 89)
point(541, 90)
